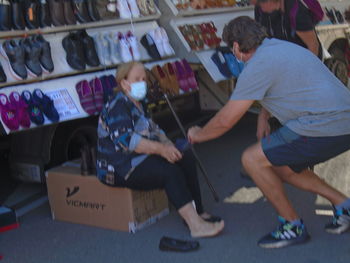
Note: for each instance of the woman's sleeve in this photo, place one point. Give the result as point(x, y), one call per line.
point(121, 127)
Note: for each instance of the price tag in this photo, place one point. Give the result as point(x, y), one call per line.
point(64, 104)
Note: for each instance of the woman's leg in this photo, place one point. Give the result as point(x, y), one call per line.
point(189, 168)
point(155, 172)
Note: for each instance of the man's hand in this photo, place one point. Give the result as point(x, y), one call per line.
point(170, 153)
point(192, 134)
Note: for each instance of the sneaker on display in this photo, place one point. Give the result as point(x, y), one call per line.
point(134, 46)
point(34, 110)
point(102, 46)
point(15, 56)
point(112, 38)
point(124, 10)
point(124, 48)
point(3, 77)
point(5, 15)
point(135, 12)
point(45, 56)
point(32, 52)
point(340, 222)
point(157, 38)
point(91, 57)
point(74, 51)
point(168, 49)
point(285, 235)
point(46, 105)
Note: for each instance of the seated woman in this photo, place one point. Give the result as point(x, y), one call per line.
point(134, 152)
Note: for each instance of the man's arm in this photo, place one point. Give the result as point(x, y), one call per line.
point(224, 120)
point(310, 40)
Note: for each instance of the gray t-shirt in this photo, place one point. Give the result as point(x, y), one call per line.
point(297, 88)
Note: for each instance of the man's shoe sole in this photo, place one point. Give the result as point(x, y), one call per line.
point(285, 243)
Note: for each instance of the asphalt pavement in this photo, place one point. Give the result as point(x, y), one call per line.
point(247, 215)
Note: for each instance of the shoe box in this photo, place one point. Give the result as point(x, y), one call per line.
point(85, 200)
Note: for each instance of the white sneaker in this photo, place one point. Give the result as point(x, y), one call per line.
point(134, 8)
point(102, 48)
point(123, 8)
point(157, 38)
point(112, 38)
point(124, 48)
point(168, 49)
point(134, 45)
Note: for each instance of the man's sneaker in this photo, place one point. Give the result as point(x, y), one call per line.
point(32, 52)
point(45, 57)
point(287, 234)
point(124, 48)
point(15, 56)
point(340, 222)
point(102, 48)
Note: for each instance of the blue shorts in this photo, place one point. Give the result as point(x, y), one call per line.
point(285, 147)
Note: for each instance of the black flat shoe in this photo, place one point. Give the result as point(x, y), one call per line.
point(177, 245)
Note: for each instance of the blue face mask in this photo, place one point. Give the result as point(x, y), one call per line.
point(138, 90)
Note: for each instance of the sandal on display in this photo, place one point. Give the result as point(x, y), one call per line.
point(86, 97)
point(21, 109)
point(142, 5)
point(162, 78)
point(8, 113)
point(97, 91)
point(35, 114)
point(198, 4)
point(46, 104)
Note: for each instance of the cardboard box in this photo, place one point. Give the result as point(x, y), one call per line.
point(85, 200)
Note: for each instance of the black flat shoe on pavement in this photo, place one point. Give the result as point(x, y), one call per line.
point(177, 245)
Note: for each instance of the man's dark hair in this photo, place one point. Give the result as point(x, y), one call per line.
point(246, 32)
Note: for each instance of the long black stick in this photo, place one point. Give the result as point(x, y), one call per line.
point(215, 195)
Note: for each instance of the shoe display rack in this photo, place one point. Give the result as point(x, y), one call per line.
point(60, 85)
point(219, 16)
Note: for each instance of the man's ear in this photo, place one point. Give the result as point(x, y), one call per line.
point(236, 46)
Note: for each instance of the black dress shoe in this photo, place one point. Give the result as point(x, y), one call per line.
point(68, 12)
point(56, 12)
point(91, 57)
point(31, 11)
point(81, 11)
point(17, 15)
point(74, 51)
point(177, 245)
point(5, 15)
point(44, 14)
point(3, 77)
point(45, 56)
point(92, 10)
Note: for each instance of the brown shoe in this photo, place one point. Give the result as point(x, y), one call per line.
point(163, 79)
point(142, 5)
point(68, 12)
point(56, 11)
point(107, 9)
point(171, 72)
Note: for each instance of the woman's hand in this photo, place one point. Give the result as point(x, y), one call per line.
point(191, 134)
point(170, 153)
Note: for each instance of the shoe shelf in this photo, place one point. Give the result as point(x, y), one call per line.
point(67, 28)
point(204, 56)
point(62, 92)
point(62, 69)
point(207, 11)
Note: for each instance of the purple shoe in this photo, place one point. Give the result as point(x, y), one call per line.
point(86, 97)
point(34, 111)
point(181, 76)
point(97, 91)
point(191, 78)
point(21, 108)
point(8, 113)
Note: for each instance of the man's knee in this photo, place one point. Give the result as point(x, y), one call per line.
point(253, 156)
